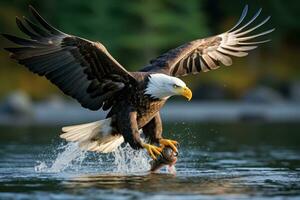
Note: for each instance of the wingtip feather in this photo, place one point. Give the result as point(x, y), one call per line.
point(9, 37)
point(242, 17)
point(43, 22)
point(31, 8)
point(247, 24)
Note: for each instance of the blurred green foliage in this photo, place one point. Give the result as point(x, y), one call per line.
point(139, 30)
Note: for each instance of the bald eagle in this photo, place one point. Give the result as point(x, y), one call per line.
point(87, 72)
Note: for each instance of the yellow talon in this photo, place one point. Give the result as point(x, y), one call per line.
point(170, 143)
point(152, 150)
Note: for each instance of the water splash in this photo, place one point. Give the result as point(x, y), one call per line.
point(72, 156)
point(69, 157)
point(40, 167)
point(128, 160)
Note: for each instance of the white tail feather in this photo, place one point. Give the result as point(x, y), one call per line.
point(95, 136)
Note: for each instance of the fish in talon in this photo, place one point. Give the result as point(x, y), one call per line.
point(167, 158)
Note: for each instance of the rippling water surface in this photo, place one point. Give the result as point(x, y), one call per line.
point(216, 161)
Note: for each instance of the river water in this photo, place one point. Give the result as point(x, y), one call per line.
point(216, 161)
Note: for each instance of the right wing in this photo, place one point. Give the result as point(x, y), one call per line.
point(208, 53)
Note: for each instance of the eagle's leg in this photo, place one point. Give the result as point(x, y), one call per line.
point(153, 131)
point(127, 125)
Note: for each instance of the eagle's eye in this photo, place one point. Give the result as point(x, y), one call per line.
point(175, 86)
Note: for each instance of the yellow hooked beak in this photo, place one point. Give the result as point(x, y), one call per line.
point(186, 92)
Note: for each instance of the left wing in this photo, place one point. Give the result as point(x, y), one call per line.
point(207, 54)
point(80, 68)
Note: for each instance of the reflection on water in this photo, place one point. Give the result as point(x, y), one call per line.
point(156, 183)
point(227, 161)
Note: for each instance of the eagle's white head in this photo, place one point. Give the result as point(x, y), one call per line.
point(162, 86)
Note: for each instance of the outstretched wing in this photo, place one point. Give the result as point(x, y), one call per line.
point(82, 69)
point(207, 54)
